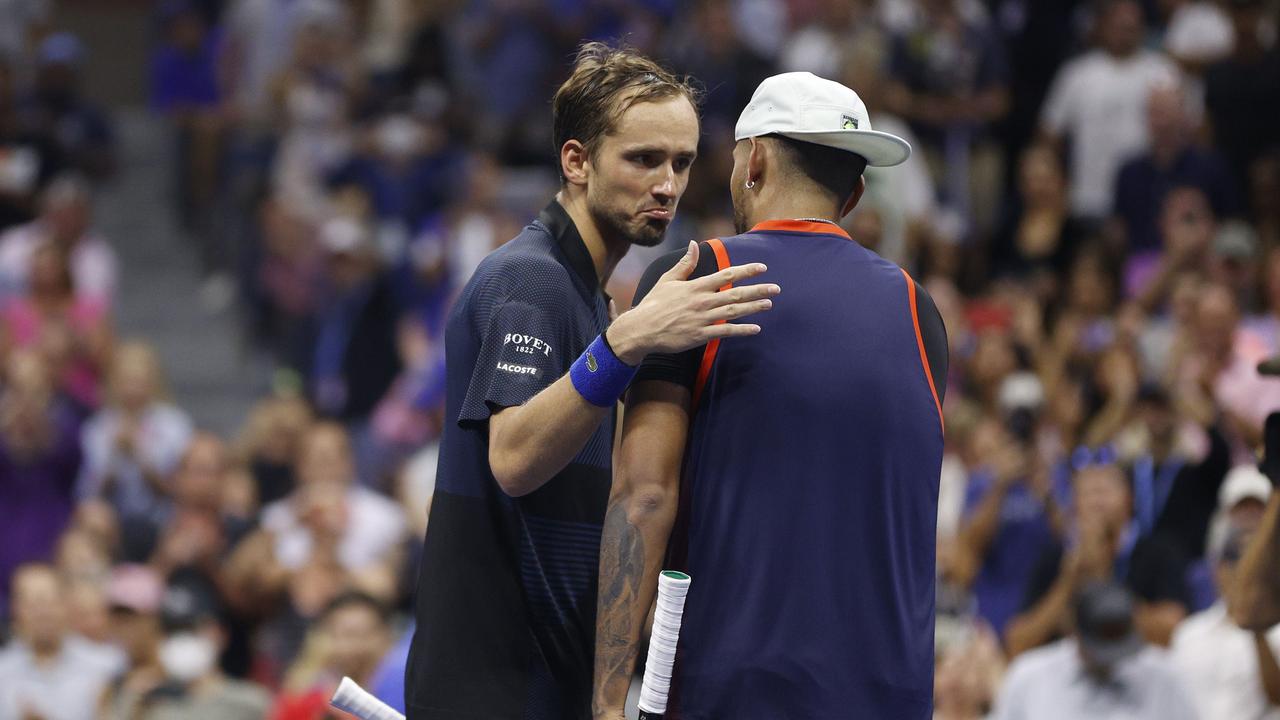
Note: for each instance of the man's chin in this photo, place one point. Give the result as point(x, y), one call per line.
point(650, 234)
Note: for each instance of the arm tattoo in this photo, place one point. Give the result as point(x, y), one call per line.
point(622, 560)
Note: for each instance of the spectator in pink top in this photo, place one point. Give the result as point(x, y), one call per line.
point(73, 333)
point(1224, 368)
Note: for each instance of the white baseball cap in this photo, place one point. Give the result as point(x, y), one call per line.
point(805, 107)
point(1243, 482)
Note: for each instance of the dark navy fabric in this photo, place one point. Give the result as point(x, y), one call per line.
point(507, 586)
point(809, 495)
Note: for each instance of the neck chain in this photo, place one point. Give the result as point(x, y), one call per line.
point(820, 220)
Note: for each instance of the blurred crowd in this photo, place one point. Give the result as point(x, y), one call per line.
point(1093, 203)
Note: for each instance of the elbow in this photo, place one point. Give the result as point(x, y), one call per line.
point(1020, 636)
point(513, 473)
point(652, 502)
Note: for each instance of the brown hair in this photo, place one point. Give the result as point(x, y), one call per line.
point(605, 82)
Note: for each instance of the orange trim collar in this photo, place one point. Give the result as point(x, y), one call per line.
point(804, 226)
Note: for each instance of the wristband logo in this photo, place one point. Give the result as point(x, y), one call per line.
point(591, 362)
point(517, 369)
point(527, 344)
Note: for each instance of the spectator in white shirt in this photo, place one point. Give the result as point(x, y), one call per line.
point(1231, 673)
point(65, 220)
point(1098, 101)
point(133, 444)
point(46, 672)
point(330, 531)
point(1103, 672)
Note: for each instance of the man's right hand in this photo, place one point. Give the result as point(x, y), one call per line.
point(679, 313)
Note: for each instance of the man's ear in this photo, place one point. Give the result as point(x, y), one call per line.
point(574, 163)
point(853, 200)
point(756, 161)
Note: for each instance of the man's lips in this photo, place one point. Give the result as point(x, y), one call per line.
point(663, 214)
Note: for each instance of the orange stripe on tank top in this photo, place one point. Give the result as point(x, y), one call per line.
point(709, 354)
point(924, 357)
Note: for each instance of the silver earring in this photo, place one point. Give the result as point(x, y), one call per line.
point(751, 184)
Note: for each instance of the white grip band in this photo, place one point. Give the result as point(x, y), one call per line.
point(354, 699)
point(672, 589)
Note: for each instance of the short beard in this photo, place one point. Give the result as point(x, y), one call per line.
point(613, 224)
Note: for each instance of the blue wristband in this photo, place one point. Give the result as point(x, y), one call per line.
point(599, 376)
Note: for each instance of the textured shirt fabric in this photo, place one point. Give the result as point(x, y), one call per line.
point(505, 606)
point(808, 497)
point(67, 688)
point(1050, 683)
point(1218, 662)
point(1100, 102)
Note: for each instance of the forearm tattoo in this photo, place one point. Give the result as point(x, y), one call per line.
point(622, 560)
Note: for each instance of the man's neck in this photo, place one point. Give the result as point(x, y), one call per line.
point(46, 652)
point(605, 253)
point(793, 208)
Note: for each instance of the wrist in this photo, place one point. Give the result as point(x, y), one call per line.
point(599, 376)
point(623, 345)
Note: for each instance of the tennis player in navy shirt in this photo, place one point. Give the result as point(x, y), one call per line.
point(506, 594)
point(793, 475)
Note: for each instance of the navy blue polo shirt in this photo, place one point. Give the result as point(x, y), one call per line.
point(506, 593)
point(809, 489)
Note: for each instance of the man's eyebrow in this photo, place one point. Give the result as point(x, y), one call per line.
point(655, 150)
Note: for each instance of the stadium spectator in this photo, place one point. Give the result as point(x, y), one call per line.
point(949, 78)
point(66, 222)
point(1104, 670)
point(312, 100)
point(134, 593)
point(328, 533)
point(1243, 89)
point(39, 459)
point(1008, 519)
point(968, 676)
point(57, 105)
point(133, 445)
point(1175, 480)
point(28, 157)
point(1103, 545)
point(71, 333)
point(354, 358)
point(348, 640)
point(268, 443)
point(1098, 101)
point(1229, 671)
point(1037, 240)
point(1172, 161)
point(193, 685)
point(46, 671)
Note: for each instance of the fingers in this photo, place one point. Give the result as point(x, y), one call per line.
point(724, 330)
point(737, 310)
point(731, 275)
point(747, 293)
point(684, 266)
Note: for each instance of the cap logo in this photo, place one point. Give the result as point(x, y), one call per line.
point(848, 122)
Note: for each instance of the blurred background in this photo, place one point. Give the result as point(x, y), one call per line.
point(230, 231)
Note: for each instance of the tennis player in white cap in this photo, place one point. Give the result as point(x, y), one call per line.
point(793, 475)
